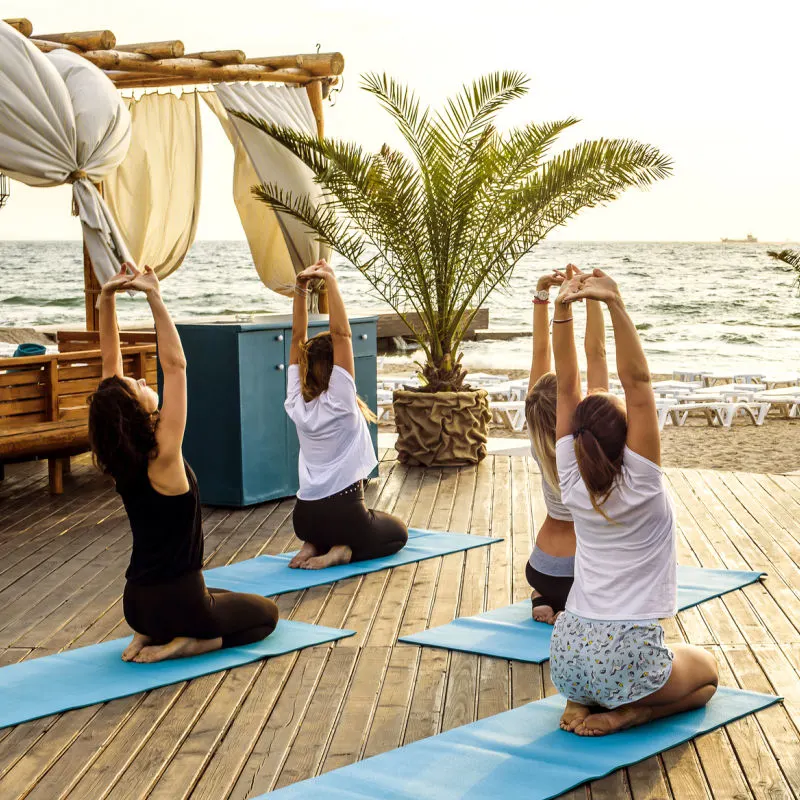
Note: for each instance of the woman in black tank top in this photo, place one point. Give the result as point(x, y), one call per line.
point(166, 601)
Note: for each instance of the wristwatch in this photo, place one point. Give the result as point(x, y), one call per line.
point(542, 296)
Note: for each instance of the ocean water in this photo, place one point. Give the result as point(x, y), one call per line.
point(696, 305)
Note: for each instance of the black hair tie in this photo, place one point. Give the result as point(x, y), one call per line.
point(578, 432)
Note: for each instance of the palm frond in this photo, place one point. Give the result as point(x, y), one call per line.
point(436, 231)
point(792, 259)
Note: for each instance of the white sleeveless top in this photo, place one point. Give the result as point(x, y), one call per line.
point(552, 501)
point(625, 569)
point(335, 445)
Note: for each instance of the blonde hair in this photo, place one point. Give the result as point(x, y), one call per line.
point(316, 365)
point(540, 412)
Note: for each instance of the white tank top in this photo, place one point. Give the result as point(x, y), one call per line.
point(552, 501)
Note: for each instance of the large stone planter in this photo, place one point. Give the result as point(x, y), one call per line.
point(441, 429)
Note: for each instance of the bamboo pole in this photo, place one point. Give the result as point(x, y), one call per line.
point(169, 49)
point(314, 92)
point(91, 291)
point(324, 64)
point(220, 56)
point(48, 47)
point(84, 40)
point(24, 26)
point(141, 80)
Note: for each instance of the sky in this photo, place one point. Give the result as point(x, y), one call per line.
point(716, 85)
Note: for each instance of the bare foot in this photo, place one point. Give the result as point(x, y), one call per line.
point(303, 554)
point(574, 714)
point(612, 721)
point(179, 647)
point(133, 649)
point(544, 614)
point(338, 554)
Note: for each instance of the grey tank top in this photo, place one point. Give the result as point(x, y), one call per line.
point(552, 499)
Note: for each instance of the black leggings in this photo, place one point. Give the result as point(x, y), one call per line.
point(185, 607)
point(554, 589)
point(344, 518)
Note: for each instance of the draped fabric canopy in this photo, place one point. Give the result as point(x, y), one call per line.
point(154, 194)
point(62, 121)
point(281, 246)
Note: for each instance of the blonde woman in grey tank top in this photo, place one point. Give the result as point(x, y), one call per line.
point(550, 568)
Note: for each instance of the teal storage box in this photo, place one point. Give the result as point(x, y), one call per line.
point(239, 440)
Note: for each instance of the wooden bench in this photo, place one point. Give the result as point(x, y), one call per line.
point(43, 399)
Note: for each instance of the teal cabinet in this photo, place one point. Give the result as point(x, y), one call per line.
point(239, 440)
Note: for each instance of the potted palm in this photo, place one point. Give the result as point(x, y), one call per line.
point(437, 228)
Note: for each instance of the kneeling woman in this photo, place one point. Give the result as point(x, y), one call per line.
point(336, 454)
point(608, 647)
point(549, 570)
point(166, 601)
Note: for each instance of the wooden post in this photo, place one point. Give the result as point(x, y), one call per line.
point(55, 475)
point(91, 291)
point(314, 92)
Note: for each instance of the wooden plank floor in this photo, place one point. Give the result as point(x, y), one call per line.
point(239, 733)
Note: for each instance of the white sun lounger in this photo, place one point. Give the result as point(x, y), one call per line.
point(385, 405)
point(721, 414)
point(510, 414)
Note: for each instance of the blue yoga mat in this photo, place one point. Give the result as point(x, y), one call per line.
point(88, 675)
point(269, 575)
point(510, 632)
point(519, 753)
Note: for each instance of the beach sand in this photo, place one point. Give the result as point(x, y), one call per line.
point(773, 447)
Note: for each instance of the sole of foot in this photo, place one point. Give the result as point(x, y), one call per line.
point(608, 722)
point(135, 647)
point(574, 714)
point(340, 554)
point(180, 647)
point(306, 551)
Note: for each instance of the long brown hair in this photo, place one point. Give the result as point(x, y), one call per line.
point(122, 434)
point(600, 429)
point(316, 365)
point(540, 412)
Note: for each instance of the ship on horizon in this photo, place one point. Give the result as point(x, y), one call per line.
point(749, 240)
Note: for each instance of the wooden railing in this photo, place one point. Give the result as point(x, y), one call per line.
point(44, 399)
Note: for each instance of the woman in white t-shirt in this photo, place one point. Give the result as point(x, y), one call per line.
point(551, 565)
point(608, 647)
point(336, 453)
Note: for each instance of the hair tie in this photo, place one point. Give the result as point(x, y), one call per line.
point(578, 432)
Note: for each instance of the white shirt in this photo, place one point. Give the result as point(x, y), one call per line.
point(625, 569)
point(335, 445)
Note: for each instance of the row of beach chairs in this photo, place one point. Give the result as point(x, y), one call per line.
point(748, 395)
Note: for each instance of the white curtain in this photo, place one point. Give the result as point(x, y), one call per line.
point(154, 194)
point(281, 246)
point(62, 121)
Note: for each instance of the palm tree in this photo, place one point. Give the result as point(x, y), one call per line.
point(790, 257)
point(436, 229)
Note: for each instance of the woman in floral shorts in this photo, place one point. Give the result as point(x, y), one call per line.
point(607, 653)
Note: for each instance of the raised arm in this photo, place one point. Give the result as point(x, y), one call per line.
point(542, 354)
point(338, 323)
point(299, 317)
point(594, 345)
point(643, 435)
point(110, 351)
point(568, 376)
point(167, 470)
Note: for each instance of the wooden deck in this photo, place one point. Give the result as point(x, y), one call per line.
point(239, 733)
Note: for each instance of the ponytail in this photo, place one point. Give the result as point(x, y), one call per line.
point(600, 429)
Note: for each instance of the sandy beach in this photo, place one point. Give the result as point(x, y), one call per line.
point(773, 447)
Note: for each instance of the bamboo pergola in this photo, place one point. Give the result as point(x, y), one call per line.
point(152, 65)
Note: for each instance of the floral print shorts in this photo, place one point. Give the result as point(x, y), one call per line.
point(608, 663)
